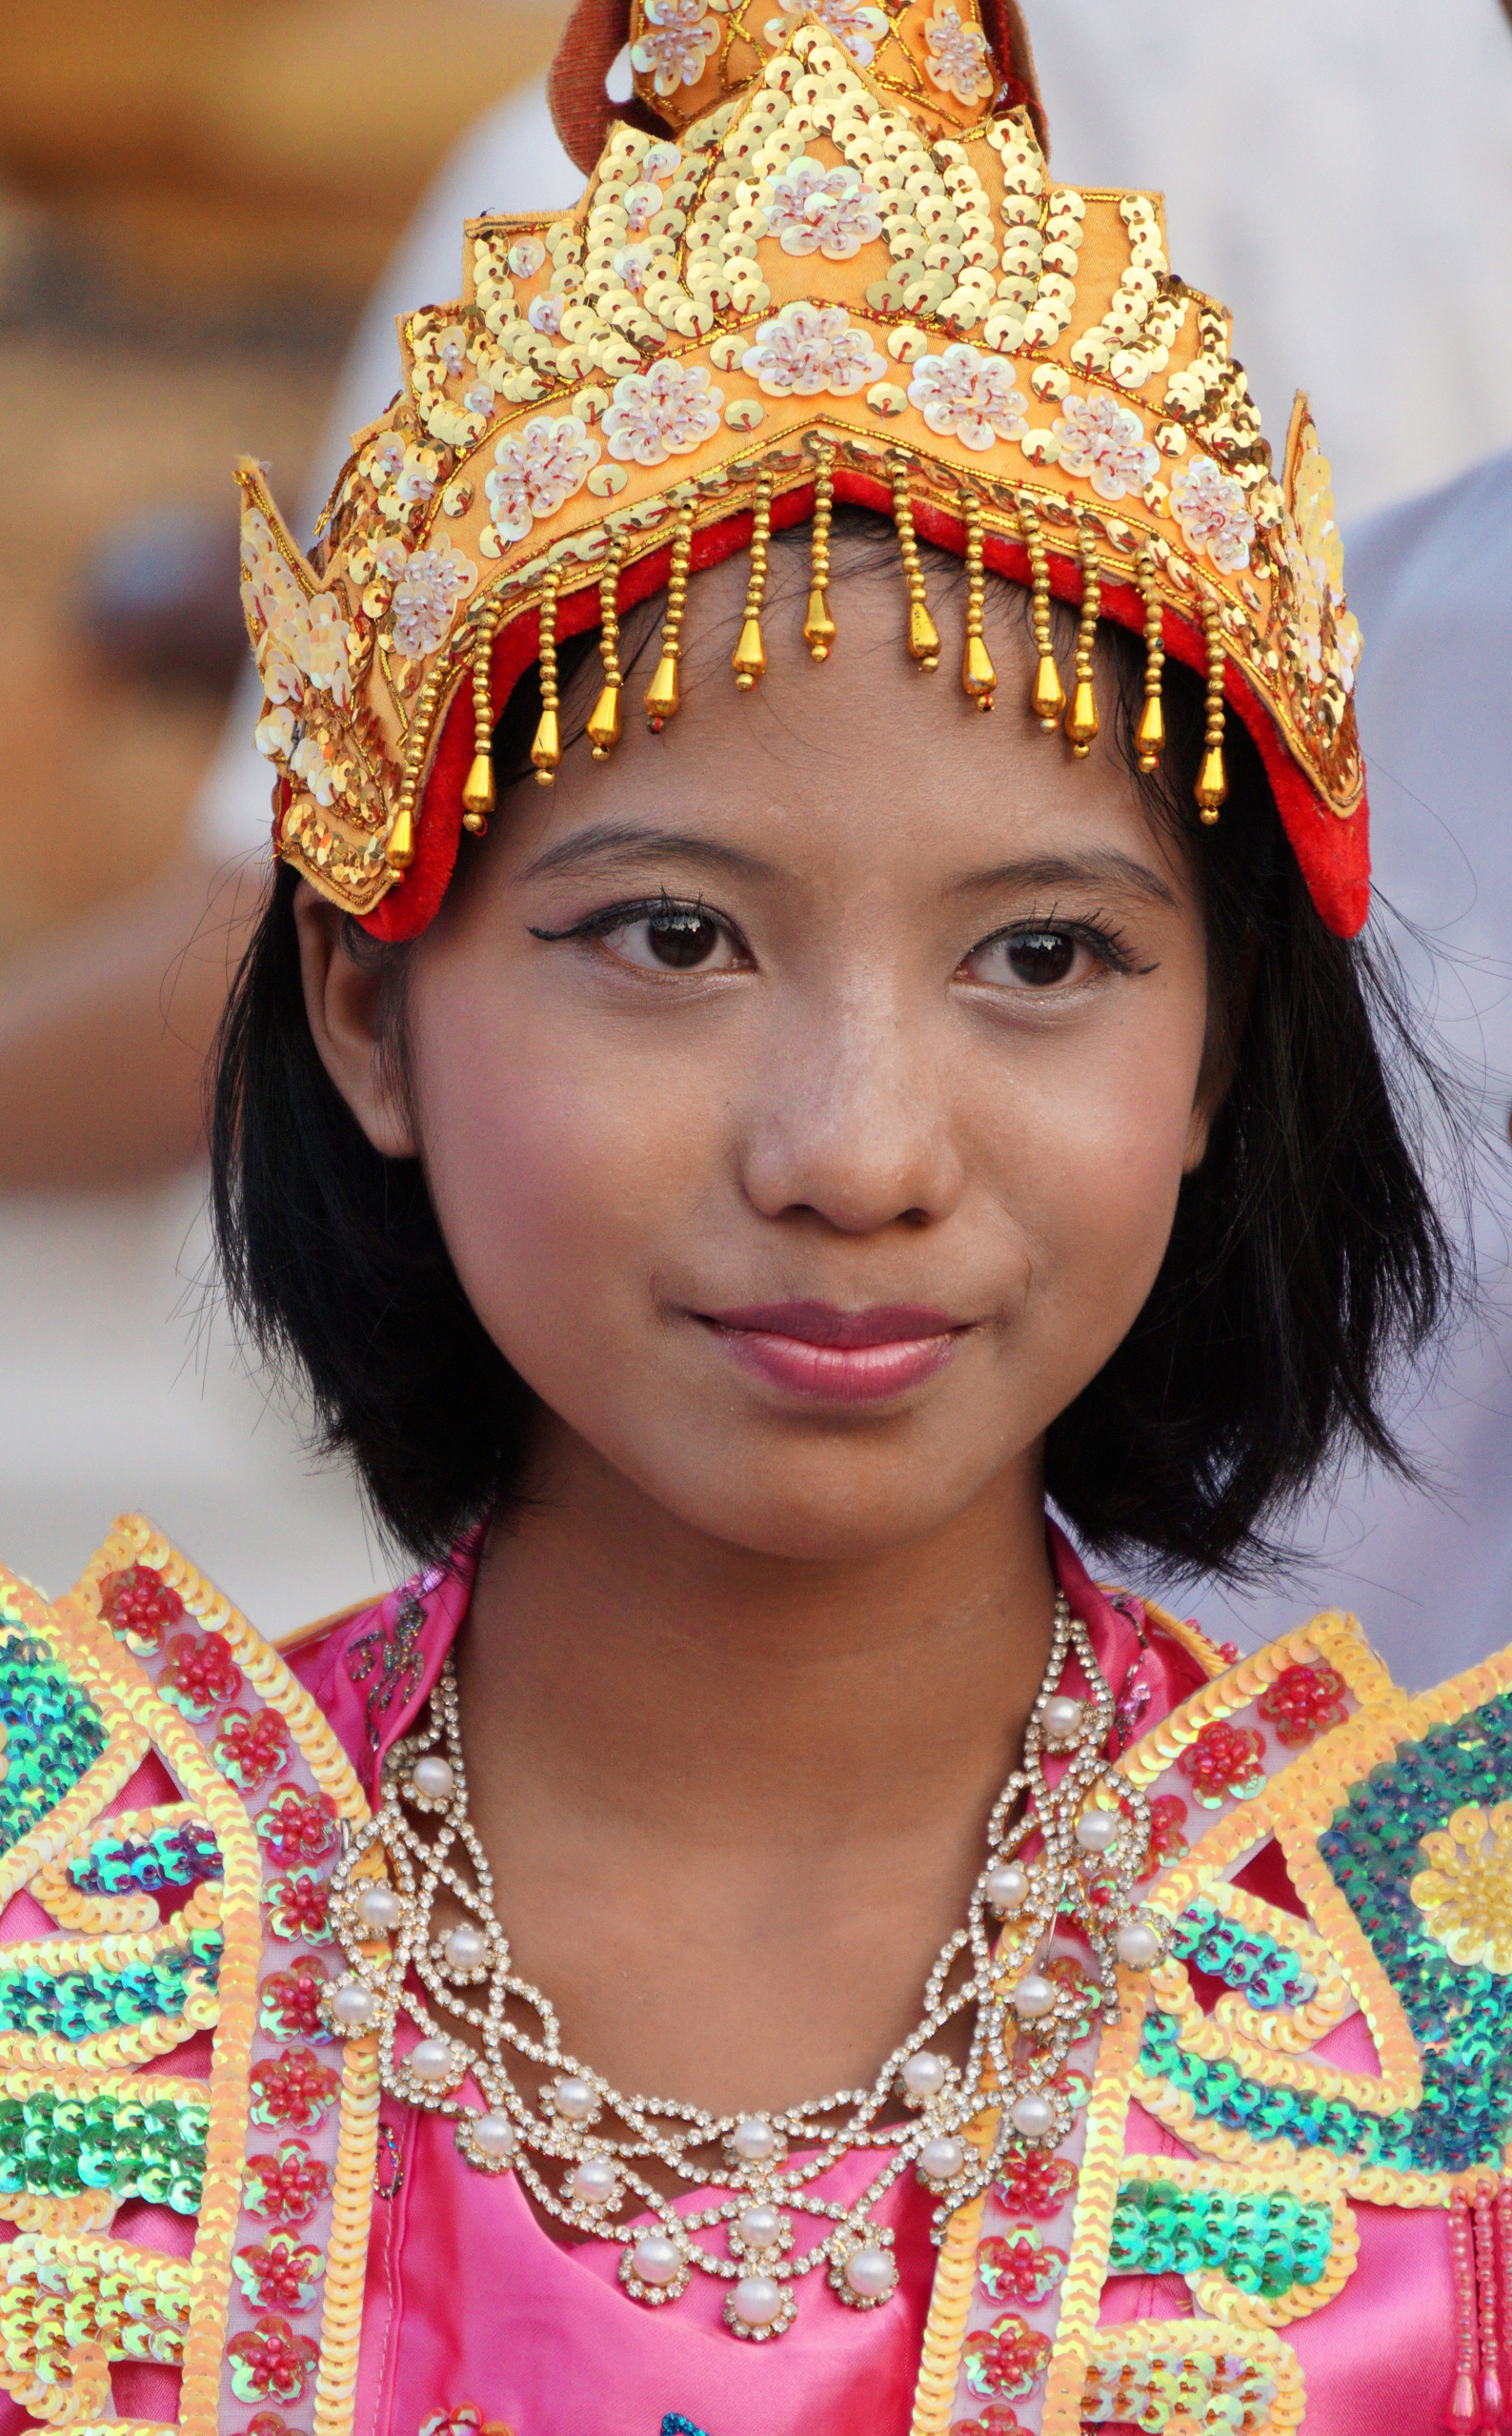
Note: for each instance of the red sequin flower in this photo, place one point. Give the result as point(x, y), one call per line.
point(297, 1906)
point(1005, 2360)
point(999, 2419)
point(297, 1827)
point(1167, 1840)
point(1224, 1764)
point(139, 1605)
point(292, 2091)
point(1068, 1974)
point(251, 1749)
point(269, 2423)
point(199, 1673)
point(1301, 1703)
point(1033, 2187)
point(270, 2363)
point(281, 2274)
point(466, 2420)
point(1019, 2266)
point(291, 2001)
point(288, 2187)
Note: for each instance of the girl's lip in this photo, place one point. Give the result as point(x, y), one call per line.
point(837, 1357)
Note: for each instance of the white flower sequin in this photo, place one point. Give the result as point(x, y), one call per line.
point(426, 595)
point(274, 733)
point(831, 212)
point(632, 267)
point(810, 350)
point(536, 471)
point(856, 28)
point(666, 412)
point(679, 41)
point(1106, 442)
point(403, 475)
point(1209, 506)
point(958, 62)
point(545, 315)
point(969, 396)
point(307, 637)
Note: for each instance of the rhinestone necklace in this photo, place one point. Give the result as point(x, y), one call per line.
point(580, 2148)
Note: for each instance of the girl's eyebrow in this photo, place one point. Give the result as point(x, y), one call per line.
point(1104, 870)
point(610, 841)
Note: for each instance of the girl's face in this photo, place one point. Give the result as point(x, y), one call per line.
point(804, 1094)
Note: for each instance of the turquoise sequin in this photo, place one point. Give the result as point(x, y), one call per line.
point(1243, 1957)
point(1263, 2242)
point(127, 1865)
point(79, 2004)
point(57, 2146)
point(53, 1734)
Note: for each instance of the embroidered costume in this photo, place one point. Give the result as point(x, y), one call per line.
point(1279, 2194)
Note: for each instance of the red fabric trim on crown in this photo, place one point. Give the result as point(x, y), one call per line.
point(1333, 854)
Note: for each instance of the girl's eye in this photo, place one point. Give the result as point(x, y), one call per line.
point(1031, 960)
point(678, 939)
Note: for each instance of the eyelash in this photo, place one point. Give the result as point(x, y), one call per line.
point(1098, 934)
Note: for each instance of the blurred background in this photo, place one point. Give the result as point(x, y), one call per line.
point(196, 201)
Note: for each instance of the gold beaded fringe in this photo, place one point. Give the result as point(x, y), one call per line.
point(1212, 778)
point(923, 637)
point(662, 700)
point(398, 851)
point(1047, 696)
point(1082, 718)
point(977, 675)
point(477, 795)
point(749, 659)
point(1149, 739)
point(547, 750)
point(603, 726)
point(819, 626)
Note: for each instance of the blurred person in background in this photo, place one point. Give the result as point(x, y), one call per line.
point(97, 1082)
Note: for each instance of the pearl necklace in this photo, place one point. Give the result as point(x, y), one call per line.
point(577, 2147)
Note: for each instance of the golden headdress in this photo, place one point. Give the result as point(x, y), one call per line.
point(820, 257)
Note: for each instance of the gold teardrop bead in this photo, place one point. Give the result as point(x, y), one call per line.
point(820, 629)
point(1149, 736)
point(1082, 718)
point(749, 658)
point(547, 750)
point(399, 852)
point(477, 795)
point(924, 636)
point(604, 724)
point(1047, 697)
point(664, 700)
point(1212, 784)
point(978, 674)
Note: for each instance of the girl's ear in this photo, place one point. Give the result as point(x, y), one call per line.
point(344, 1003)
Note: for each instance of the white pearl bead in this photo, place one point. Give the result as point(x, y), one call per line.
point(870, 2273)
point(433, 2060)
point(924, 2074)
point(656, 2260)
point(1033, 2115)
point(1136, 1944)
point(378, 1908)
point(942, 2159)
point(352, 2007)
point(1008, 1888)
point(758, 2227)
point(572, 2098)
point(595, 2181)
point(753, 2142)
point(1097, 1831)
point(757, 2299)
point(494, 2135)
point(434, 1777)
point(1064, 1719)
point(465, 1949)
point(1034, 1996)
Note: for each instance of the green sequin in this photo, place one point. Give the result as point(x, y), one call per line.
point(1243, 1957)
point(53, 1734)
point(79, 2004)
point(54, 2146)
point(127, 1865)
point(1262, 2242)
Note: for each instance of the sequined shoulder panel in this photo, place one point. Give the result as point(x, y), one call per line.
point(1391, 1817)
point(200, 1916)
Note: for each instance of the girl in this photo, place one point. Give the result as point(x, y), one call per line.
point(750, 1938)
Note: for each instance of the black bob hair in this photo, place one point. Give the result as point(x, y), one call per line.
point(1306, 1262)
